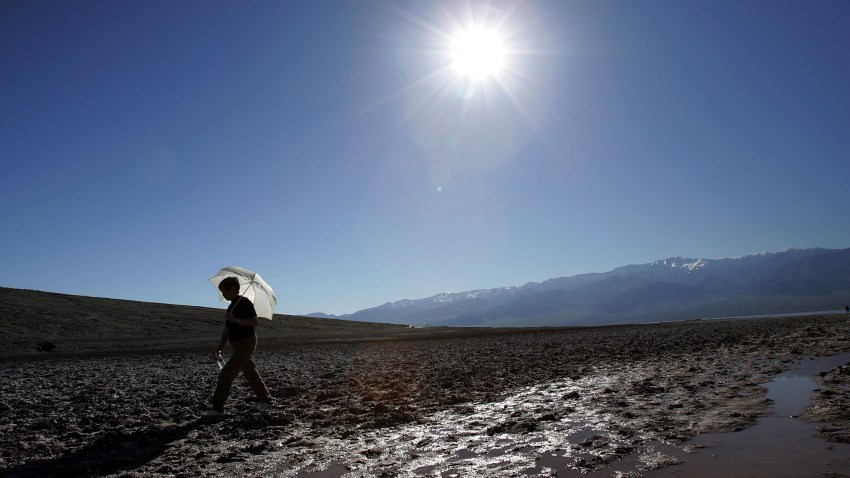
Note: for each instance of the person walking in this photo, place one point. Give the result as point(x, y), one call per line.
point(240, 331)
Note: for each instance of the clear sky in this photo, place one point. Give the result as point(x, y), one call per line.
point(340, 149)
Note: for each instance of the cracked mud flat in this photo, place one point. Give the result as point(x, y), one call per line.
point(610, 400)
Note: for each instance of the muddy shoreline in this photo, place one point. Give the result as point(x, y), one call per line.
point(136, 413)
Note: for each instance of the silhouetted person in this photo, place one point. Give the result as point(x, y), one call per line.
point(239, 331)
point(847, 309)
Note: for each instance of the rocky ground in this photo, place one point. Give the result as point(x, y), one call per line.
point(419, 406)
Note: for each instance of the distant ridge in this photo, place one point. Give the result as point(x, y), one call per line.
point(675, 288)
point(77, 324)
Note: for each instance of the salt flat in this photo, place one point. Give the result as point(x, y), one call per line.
point(369, 399)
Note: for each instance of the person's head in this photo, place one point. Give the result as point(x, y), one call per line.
point(229, 287)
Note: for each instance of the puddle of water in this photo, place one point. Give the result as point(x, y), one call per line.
point(778, 446)
point(334, 471)
point(790, 394)
point(792, 390)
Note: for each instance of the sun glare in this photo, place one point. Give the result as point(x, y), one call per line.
point(477, 53)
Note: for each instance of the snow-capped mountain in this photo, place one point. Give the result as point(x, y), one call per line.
point(666, 289)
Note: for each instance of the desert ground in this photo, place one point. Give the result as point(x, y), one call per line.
point(364, 400)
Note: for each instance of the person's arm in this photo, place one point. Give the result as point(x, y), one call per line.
point(253, 322)
point(224, 336)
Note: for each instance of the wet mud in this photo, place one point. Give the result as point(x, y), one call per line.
point(779, 445)
point(612, 400)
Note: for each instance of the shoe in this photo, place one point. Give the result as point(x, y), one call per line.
point(213, 413)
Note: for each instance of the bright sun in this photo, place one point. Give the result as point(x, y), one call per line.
point(478, 53)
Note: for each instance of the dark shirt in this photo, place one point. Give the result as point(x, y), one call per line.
point(242, 309)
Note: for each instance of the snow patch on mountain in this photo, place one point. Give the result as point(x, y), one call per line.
point(449, 297)
point(689, 265)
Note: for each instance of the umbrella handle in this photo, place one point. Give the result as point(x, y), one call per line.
point(241, 296)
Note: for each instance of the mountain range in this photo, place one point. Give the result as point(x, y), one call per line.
point(676, 288)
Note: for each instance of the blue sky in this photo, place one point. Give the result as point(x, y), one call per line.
point(333, 148)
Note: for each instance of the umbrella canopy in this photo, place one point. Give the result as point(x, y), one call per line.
point(251, 286)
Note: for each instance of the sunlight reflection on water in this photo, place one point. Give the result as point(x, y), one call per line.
point(477, 440)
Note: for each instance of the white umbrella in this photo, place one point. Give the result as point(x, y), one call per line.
point(251, 286)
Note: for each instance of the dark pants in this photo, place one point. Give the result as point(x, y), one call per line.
point(242, 359)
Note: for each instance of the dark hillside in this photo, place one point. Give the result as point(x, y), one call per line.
point(78, 323)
